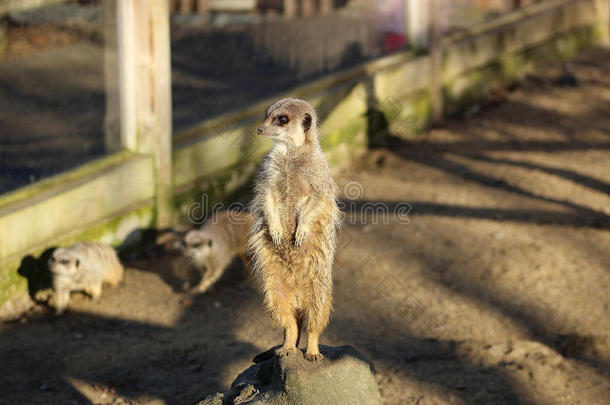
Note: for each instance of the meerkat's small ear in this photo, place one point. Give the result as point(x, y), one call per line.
point(77, 262)
point(306, 122)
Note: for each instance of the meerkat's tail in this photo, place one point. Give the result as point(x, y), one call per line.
point(300, 319)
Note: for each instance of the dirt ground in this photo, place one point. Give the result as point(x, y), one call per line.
point(473, 268)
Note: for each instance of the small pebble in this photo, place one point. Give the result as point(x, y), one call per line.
point(47, 387)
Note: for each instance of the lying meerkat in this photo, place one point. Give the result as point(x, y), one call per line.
point(293, 236)
point(213, 247)
point(84, 266)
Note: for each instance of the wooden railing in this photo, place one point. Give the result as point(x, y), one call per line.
point(288, 8)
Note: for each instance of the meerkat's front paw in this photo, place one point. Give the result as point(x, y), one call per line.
point(313, 356)
point(95, 291)
point(276, 236)
point(287, 351)
point(202, 287)
point(300, 235)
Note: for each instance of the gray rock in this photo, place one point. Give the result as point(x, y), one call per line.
point(215, 399)
point(344, 376)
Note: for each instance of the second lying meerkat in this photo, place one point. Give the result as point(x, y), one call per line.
point(293, 236)
point(84, 266)
point(213, 247)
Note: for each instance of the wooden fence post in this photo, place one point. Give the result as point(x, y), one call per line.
point(436, 61)
point(120, 119)
point(202, 6)
point(185, 6)
point(154, 103)
point(326, 7)
point(308, 8)
point(290, 8)
point(138, 89)
point(417, 21)
point(112, 118)
point(603, 26)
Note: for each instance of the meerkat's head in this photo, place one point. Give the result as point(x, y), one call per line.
point(64, 262)
point(199, 246)
point(290, 121)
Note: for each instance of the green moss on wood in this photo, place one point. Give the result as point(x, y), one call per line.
point(46, 185)
point(461, 92)
point(422, 107)
point(12, 285)
point(199, 199)
point(346, 134)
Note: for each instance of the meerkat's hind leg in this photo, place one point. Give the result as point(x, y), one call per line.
point(313, 350)
point(289, 348)
point(114, 282)
point(317, 319)
point(209, 278)
point(287, 318)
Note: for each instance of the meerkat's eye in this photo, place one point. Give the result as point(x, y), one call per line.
point(196, 245)
point(283, 119)
point(210, 243)
point(63, 261)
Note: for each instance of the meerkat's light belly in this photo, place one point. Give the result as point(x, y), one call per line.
point(288, 215)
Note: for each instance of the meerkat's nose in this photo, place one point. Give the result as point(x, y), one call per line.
point(259, 130)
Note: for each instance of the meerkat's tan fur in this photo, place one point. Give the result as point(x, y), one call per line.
point(213, 247)
point(293, 236)
point(84, 266)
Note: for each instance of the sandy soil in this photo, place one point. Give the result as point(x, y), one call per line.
point(479, 276)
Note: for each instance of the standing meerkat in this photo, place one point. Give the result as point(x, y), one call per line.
point(293, 236)
point(84, 266)
point(213, 247)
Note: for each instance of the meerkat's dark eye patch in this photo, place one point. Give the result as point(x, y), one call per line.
point(210, 243)
point(63, 261)
point(307, 122)
point(282, 120)
point(77, 262)
point(196, 245)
